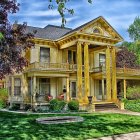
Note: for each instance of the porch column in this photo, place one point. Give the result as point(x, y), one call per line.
point(108, 74)
point(34, 89)
point(103, 90)
point(24, 87)
point(79, 71)
point(86, 72)
point(124, 87)
point(114, 82)
point(68, 89)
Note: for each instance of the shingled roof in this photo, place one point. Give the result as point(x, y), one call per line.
point(49, 32)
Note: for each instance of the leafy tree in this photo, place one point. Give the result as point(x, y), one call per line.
point(134, 29)
point(61, 6)
point(126, 58)
point(134, 33)
point(13, 40)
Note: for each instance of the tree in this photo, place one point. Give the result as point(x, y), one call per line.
point(126, 58)
point(134, 33)
point(134, 29)
point(62, 8)
point(13, 40)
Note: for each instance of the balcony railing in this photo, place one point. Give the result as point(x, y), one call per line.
point(128, 71)
point(52, 66)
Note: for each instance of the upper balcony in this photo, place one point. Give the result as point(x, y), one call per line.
point(57, 67)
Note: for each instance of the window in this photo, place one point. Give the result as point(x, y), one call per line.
point(44, 54)
point(102, 58)
point(73, 89)
point(44, 86)
point(96, 30)
point(17, 86)
point(71, 56)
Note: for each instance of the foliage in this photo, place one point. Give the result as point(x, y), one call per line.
point(133, 47)
point(61, 6)
point(13, 40)
point(133, 105)
point(126, 58)
point(134, 33)
point(2, 104)
point(15, 107)
point(23, 126)
point(3, 98)
point(134, 29)
point(133, 92)
point(73, 105)
point(27, 107)
point(57, 105)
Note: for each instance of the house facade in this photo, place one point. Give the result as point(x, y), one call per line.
point(76, 63)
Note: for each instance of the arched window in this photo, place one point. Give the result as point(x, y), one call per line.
point(97, 30)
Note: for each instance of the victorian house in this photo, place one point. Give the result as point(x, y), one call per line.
point(79, 63)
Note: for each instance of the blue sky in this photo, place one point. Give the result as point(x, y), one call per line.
point(119, 13)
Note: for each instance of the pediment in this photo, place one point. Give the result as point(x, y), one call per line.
point(100, 26)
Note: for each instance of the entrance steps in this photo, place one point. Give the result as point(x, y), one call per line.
point(105, 106)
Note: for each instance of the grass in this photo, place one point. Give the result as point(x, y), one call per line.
point(24, 127)
point(133, 105)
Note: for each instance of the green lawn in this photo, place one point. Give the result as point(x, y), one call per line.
point(24, 127)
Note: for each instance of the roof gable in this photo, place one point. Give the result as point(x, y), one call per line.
point(98, 26)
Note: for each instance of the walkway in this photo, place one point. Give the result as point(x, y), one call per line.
point(130, 136)
point(120, 112)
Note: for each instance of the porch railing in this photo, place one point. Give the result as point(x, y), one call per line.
point(128, 71)
point(50, 66)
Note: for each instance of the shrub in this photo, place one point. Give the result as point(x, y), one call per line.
point(27, 107)
point(73, 105)
point(133, 92)
point(2, 104)
point(15, 107)
point(3, 98)
point(57, 105)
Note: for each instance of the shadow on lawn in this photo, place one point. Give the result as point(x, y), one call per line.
point(24, 127)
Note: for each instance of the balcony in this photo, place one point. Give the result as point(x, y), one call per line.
point(127, 72)
point(43, 66)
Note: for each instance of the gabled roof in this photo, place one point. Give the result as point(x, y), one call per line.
point(53, 32)
point(49, 32)
point(91, 22)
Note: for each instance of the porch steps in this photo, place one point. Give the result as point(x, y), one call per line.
point(105, 106)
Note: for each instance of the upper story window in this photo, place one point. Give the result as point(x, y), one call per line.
point(17, 86)
point(72, 57)
point(44, 54)
point(102, 58)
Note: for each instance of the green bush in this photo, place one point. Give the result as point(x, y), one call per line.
point(73, 105)
point(57, 105)
point(133, 105)
point(2, 104)
point(15, 107)
point(3, 97)
point(133, 92)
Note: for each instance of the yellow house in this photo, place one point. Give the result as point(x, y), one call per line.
point(79, 62)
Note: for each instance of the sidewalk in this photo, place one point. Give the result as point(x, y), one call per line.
point(129, 136)
point(120, 112)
